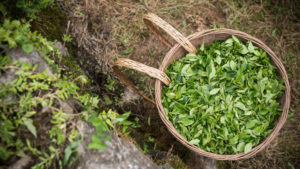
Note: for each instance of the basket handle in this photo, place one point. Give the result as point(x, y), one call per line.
point(153, 72)
point(151, 19)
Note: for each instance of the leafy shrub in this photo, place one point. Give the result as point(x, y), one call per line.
point(30, 7)
point(15, 33)
point(34, 116)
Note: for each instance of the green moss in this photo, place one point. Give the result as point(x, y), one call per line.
point(52, 23)
point(177, 163)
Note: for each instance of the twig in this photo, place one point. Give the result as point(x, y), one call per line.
point(170, 150)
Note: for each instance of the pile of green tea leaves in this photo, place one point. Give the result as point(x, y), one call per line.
point(224, 99)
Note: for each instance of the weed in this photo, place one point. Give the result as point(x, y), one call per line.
point(67, 38)
point(29, 7)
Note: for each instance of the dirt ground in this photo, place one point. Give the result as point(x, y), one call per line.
point(106, 29)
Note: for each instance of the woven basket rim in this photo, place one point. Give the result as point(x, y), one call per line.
point(280, 122)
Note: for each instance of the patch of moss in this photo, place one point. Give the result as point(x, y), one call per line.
point(177, 163)
point(52, 23)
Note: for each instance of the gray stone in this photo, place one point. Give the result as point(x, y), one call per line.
point(63, 50)
point(21, 163)
point(67, 108)
point(166, 166)
point(200, 162)
point(120, 154)
point(32, 58)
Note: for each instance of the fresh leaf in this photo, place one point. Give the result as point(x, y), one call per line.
point(29, 124)
point(248, 148)
point(27, 48)
point(202, 47)
point(121, 117)
point(214, 91)
point(240, 106)
point(96, 143)
point(194, 141)
point(213, 70)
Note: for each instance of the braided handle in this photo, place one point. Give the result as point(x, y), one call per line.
point(131, 64)
point(158, 74)
point(129, 84)
point(151, 19)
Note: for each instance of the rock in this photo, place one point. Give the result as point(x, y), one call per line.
point(63, 50)
point(166, 166)
point(21, 163)
point(200, 162)
point(70, 105)
point(66, 107)
point(31, 58)
point(120, 154)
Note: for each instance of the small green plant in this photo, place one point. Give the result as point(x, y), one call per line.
point(67, 38)
point(145, 148)
point(28, 9)
point(101, 126)
point(109, 120)
point(33, 7)
point(110, 84)
point(17, 33)
point(224, 99)
point(70, 153)
point(149, 121)
point(150, 139)
point(123, 122)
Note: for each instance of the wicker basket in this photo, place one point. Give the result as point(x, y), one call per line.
point(179, 50)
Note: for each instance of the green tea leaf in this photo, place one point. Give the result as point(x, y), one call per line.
point(251, 47)
point(194, 141)
point(241, 147)
point(187, 70)
point(202, 47)
point(235, 39)
point(240, 106)
point(244, 50)
point(214, 91)
point(233, 140)
point(186, 121)
point(229, 42)
point(213, 70)
point(250, 124)
point(218, 60)
point(248, 148)
point(171, 95)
